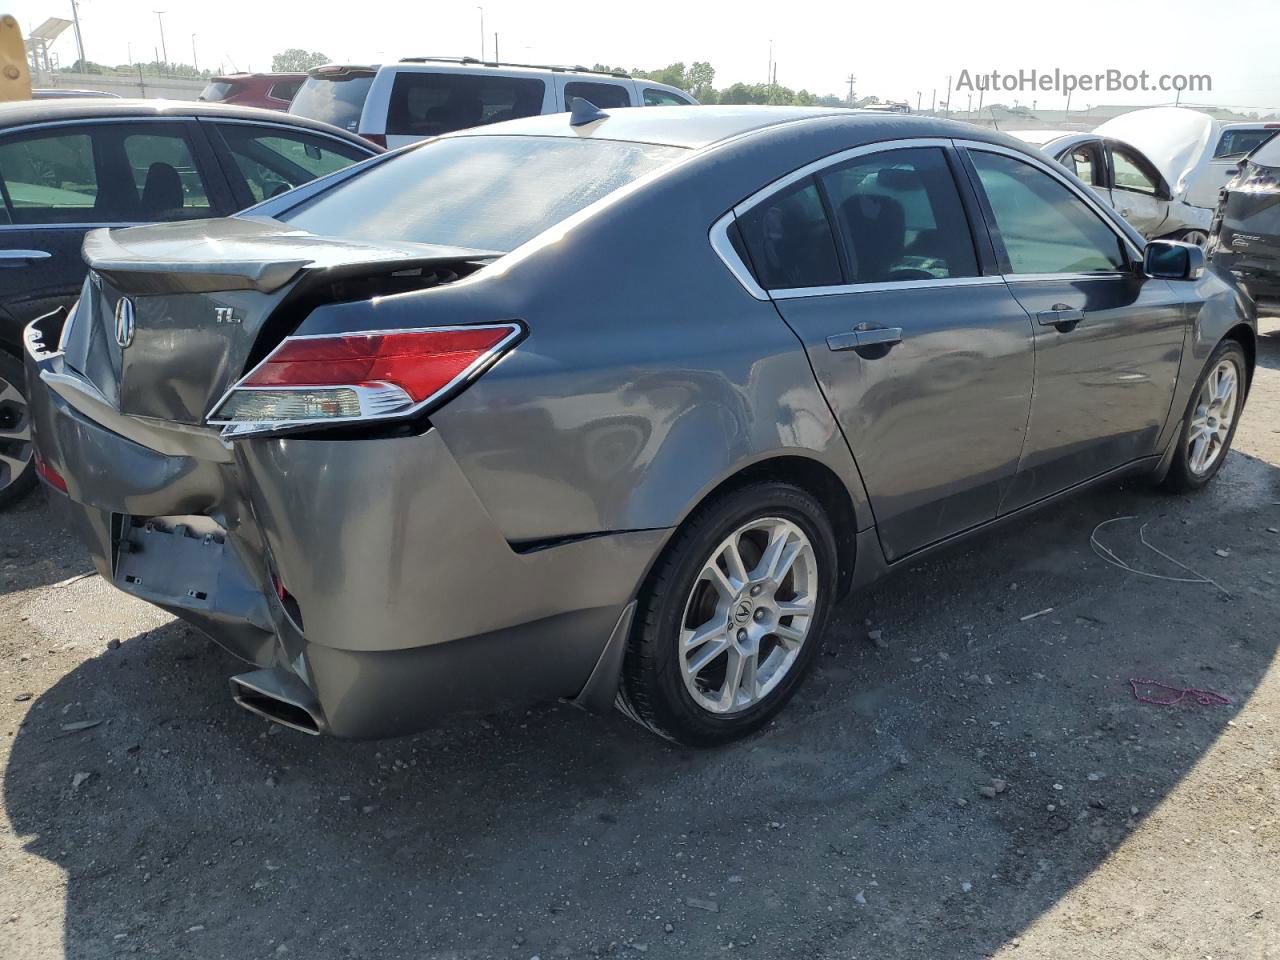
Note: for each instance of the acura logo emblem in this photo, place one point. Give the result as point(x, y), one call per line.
point(124, 322)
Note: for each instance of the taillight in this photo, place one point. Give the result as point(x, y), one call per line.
point(377, 139)
point(49, 475)
point(313, 381)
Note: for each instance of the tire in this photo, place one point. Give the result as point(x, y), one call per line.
point(1199, 237)
point(17, 465)
point(1189, 472)
point(740, 612)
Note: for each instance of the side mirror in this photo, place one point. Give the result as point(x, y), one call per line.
point(1171, 260)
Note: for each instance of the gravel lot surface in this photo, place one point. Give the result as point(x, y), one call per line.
point(142, 813)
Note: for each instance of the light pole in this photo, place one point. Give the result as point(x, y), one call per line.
point(75, 17)
point(164, 52)
point(195, 61)
point(481, 9)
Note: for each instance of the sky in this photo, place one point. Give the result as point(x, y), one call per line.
point(897, 51)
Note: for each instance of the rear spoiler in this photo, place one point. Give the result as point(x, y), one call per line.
point(241, 254)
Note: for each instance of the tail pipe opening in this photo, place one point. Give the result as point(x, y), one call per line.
point(279, 696)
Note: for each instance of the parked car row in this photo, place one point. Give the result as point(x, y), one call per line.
point(610, 406)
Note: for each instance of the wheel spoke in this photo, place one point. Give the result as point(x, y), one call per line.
point(791, 636)
point(691, 639)
point(11, 394)
point(10, 465)
point(750, 663)
point(734, 566)
point(708, 652)
point(722, 584)
point(799, 606)
point(1199, 451)
point(732, 679)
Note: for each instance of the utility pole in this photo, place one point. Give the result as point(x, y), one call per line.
point(948, 95)
point(851, 78)
point(933, 103)
point(195, 61)
point(496, 55)
point(75, 18)
point(481, 9)
point(768, 76)
point(919, 100)
point(164, 51)
point(1066, 112)
point(969, 109)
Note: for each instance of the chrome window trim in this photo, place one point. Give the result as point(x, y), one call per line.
point(723, 247)
point(77, 226)
point(796, 293)
point(292, 128)
point(1041, 277)
point(1060, 175)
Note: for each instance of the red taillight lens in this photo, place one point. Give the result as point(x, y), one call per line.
point(377, 139)
point(49, 475)
point(307, 381)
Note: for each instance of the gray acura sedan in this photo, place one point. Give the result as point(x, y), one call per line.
point(611, 407)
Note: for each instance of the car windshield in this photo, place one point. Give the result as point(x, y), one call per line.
point(333, 98)
point(484, 193)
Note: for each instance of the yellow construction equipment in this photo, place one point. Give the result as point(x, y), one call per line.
point(15, 75)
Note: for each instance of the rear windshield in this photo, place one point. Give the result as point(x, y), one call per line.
point(484, 193)
point(216, 92)
point(336, 99)
point(429, 104)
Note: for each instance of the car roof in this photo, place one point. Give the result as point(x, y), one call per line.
point(24, 112)
point(695, 127)
point(228, 77)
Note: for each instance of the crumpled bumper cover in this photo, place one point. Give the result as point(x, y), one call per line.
point(407, 603)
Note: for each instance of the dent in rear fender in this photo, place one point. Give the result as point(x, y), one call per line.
point(385, 546)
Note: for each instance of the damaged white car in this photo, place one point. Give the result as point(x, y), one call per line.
point(1196, 155)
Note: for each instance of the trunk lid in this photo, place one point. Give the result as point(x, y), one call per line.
point(172, 315)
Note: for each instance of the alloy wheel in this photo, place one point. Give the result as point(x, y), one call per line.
point(15, 434)
point(748, 615)
point(1214, 413)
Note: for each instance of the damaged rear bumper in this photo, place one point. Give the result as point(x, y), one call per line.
point(365, 576)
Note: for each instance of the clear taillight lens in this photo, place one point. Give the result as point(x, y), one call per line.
point(349, 378)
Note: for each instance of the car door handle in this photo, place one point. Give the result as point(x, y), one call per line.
point(14, 258)
point(871, 337)
point(1062, 316)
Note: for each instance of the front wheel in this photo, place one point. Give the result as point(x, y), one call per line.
point(732, 616)
point(17, 469)
point(1211, 420)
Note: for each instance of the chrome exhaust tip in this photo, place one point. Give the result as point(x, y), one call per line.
point(279, 696)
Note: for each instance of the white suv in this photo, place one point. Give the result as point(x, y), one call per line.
point(422, 97)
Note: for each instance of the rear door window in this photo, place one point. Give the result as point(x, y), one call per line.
point(272, 160)
point(164, 172)
point(662, 98)
point(1237, 143)
point(336, 98)
point(789, 240)
point(603, 95)
point(429, 104)
point(50, 177)
point(900, 217)
point(1045, 228)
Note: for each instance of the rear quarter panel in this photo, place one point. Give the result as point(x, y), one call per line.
point(649, 374)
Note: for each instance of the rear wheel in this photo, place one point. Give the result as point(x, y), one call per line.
point(1211, 420)
point(732, 616)
point(1196, 236)
point(17, 469)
